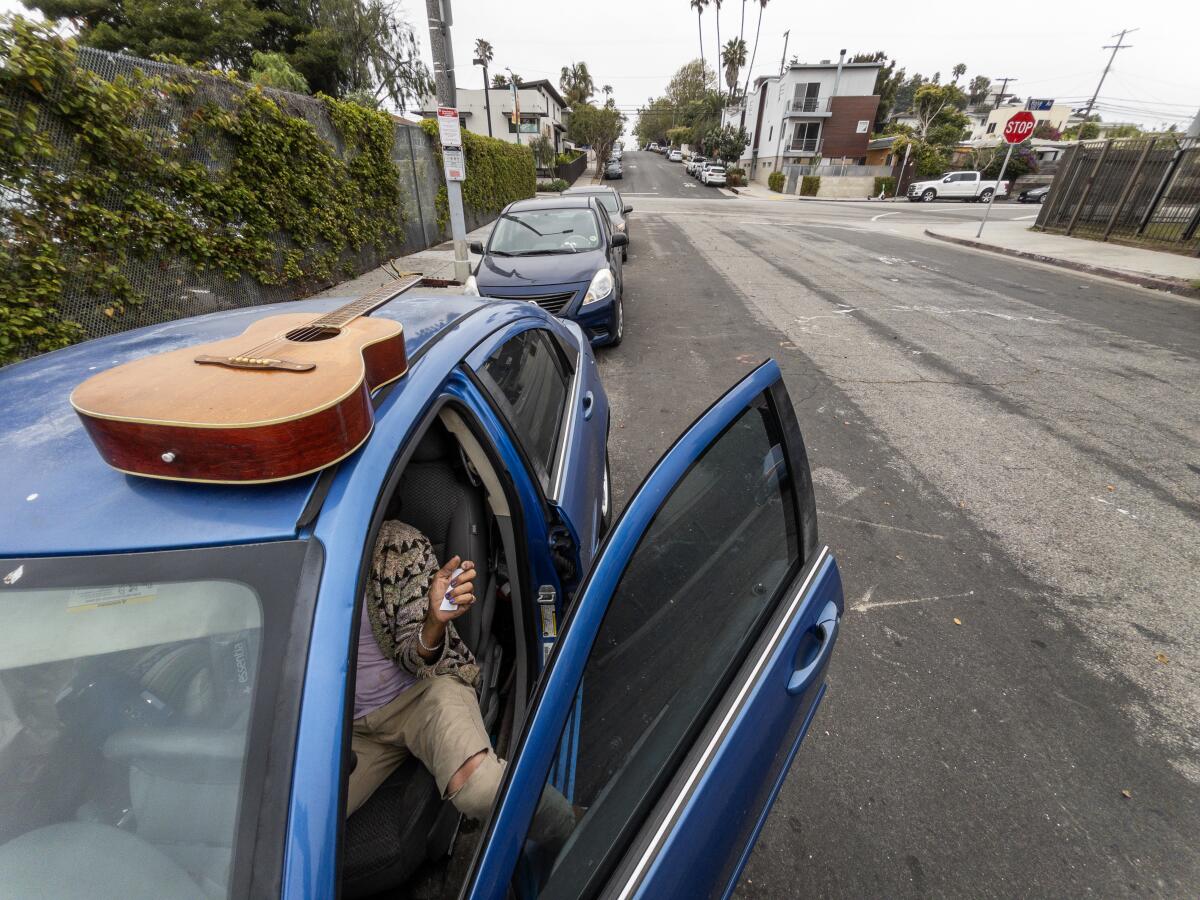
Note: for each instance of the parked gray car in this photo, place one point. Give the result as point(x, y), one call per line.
point(613, 204)
point(612, 169)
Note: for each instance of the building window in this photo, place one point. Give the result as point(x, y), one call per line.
point(805, 97)
point(806, 137)
point(991, 128)
point(529, 125)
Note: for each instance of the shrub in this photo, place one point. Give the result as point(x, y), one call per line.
point(735, 177)
point(884, 184)
point(497, 173)
point(809, 185)
point(775, 182)
point(565, 159)
point(556, 185)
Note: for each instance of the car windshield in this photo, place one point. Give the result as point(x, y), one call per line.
point(133, 689)
point(608, 200)
point(543, 231)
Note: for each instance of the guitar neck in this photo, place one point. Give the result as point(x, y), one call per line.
point(346, 314)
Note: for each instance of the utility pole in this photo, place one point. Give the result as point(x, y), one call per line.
point(440, 20)
point(783, 59)
point(1003, 90)
point(516, 113)
point(1119, 45)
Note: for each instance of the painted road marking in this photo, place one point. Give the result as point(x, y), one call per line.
point(881, 215)
point(865, 603)
point(1022, 218)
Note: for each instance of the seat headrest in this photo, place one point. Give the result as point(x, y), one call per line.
point(434, 444)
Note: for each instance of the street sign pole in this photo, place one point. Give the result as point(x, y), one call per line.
point(440, 19)
point(988, 207)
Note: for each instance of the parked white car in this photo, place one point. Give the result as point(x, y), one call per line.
point(967, 186)
point(675, 156)
point(694, 164)
point(712, 174)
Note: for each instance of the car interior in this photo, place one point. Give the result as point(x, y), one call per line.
point(452, 492)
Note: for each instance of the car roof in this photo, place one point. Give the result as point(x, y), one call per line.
point(575, 201)
point(59, 497)
point(589, 189)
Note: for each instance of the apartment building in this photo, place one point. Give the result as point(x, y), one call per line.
point(543, 111)
point(814, 113)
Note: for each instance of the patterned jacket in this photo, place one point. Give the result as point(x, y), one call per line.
point(397, 601)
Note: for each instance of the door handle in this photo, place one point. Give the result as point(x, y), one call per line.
point(588, 403)
point(827, 628)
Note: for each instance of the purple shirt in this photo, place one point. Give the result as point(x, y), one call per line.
point(379, 680)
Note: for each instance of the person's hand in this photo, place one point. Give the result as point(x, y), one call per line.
point(461, 592)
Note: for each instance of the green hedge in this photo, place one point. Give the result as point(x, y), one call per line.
point(497, 173)
point(247, 190)
point(885, 184)
point(775, 182)
point(557, 185)
point(809, 185)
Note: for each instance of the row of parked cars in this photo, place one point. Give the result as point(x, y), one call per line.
point(705, 170)
point(564, 253)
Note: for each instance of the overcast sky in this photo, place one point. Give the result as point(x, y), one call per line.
point(1054, 51)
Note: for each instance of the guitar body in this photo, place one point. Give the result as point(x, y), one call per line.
point(258, 407)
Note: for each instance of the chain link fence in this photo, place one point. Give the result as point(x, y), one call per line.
point(1143, 191)
point(171, 287)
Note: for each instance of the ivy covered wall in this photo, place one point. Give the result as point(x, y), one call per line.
point(135, 192)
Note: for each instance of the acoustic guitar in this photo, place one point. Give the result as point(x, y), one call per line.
point(289, 396)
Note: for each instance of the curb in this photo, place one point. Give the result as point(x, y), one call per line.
point(1154, 282)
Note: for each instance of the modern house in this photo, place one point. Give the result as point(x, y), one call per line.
point(543, 111)
point(812, 114)
point(1058, 115)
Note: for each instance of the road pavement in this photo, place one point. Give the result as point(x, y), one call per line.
point(995, 443)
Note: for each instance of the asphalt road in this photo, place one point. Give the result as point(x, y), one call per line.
point(993, 442)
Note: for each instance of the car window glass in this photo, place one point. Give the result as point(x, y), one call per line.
point(703, 578)
point(527, 375)
point(125, 714)
point(539, 231)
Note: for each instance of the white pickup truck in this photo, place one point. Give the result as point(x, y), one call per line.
point(968, 186)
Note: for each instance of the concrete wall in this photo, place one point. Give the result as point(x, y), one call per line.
point(847, 187)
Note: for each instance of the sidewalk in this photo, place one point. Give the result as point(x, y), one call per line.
point(1149, 268)
point(755, 191)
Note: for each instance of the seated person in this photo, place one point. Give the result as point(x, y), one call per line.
point(414, 687)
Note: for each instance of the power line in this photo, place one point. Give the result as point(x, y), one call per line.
point(1119, 45)
point(1003, 91)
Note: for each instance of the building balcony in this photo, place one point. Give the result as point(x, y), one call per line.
point(805, 146)
point(812, 107)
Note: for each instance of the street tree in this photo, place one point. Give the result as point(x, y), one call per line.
point(499, 80)
point(979, 89)
point(937, 105)
point(887, 83)
point(733, 57)
point(607, 90)
point(577, 84)
point(483, 50)
point(598, 127)
point(959, 70)
point(726, 143)
point(679, 135)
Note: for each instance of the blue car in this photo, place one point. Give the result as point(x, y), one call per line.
point(177, 660)
point(562, 253)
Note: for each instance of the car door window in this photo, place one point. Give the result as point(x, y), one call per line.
point(529, 379)
point(707, 571)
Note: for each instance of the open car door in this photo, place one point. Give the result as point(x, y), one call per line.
point(685, 676)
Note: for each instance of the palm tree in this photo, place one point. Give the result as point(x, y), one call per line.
point(958, 72)
point(762, 4)
point(734, 57)
point(717, 4)
point(577, 83)
point(483, 56)
point(699, 6)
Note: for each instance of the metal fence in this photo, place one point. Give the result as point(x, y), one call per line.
point(1143, 191)
point(170, 286)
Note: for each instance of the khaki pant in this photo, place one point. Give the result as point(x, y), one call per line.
point(437, 720)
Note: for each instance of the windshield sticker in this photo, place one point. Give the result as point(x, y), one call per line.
point(117, 595)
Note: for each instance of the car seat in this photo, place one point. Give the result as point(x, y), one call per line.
point(405, 821)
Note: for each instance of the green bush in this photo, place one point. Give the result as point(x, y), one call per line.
point(735, 177)
point(809, 185)
point(565, 159)
point(556, 185)
point(497, 173)
point(775, 182)
point(248, 189)
point(884, 184)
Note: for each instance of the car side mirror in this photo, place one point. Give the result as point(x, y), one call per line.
point(476, 247)
point(627, 210)
point(619, 240)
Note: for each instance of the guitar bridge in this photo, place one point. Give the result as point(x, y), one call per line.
point(255, 362)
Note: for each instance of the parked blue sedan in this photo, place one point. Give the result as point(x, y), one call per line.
point(562, 253)
point(177, 660)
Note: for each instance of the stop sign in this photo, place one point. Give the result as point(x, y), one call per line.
point(1019, 127)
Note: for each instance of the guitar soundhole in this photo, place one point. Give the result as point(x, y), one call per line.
point(310, 333)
